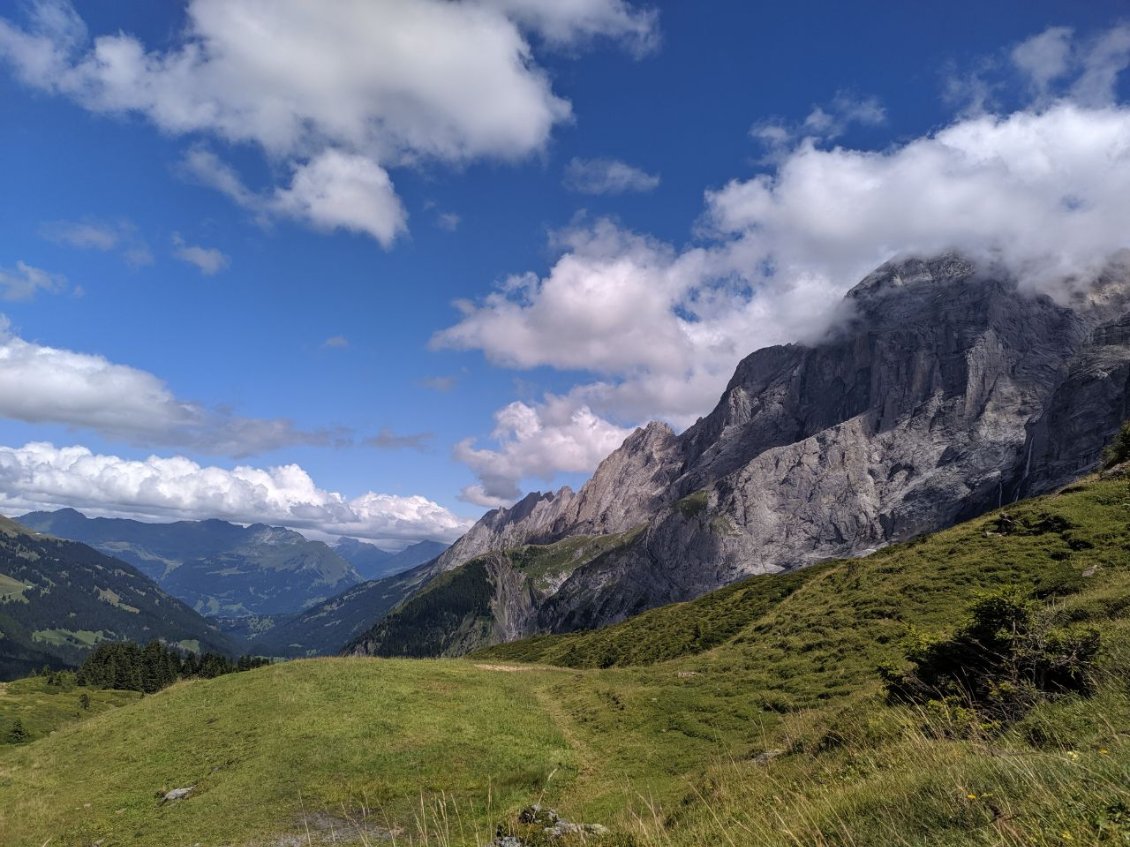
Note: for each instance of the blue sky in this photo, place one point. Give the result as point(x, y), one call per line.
point(373, 272)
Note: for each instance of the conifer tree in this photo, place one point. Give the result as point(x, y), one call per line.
point(17, 734)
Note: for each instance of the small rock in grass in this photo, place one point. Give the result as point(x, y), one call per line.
point(767, 756)
point(177, 794)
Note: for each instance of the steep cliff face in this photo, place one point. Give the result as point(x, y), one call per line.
point(949, 390)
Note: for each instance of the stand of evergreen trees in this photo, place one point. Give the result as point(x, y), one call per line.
point(129, 666)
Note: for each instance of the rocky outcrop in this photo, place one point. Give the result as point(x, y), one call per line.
point(536, 825)
point(626, 489)
point(949, 389)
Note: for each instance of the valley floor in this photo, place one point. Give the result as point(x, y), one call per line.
point(754, 716)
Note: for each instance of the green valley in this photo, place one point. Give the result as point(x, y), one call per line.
point(754, 715)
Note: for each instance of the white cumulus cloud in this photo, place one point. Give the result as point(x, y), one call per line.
point(43, 476)
point(41, 384)
point(659, 328)
point(340, 91)
point(337, 190)
point(536, 441)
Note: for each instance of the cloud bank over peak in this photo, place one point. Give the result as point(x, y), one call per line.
point(339, 93)
point(659, 328)
point(43, 476)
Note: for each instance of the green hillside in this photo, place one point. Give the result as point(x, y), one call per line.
point(43, 704)
point(60, 598)
point(457, 612)
point(218, 568)
point(754, 716)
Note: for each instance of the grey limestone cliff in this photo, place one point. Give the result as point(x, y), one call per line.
point(949, 389)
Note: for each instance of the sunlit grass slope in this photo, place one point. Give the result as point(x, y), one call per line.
point(266, 748)
point(42, 708)
point(754, 716)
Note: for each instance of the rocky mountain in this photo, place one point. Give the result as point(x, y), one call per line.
point(948, 389)
point(59, 598)
point(371, 562)
point(219, 568)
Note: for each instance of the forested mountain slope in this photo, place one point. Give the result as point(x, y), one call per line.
point(218, 568)
point(58, 598)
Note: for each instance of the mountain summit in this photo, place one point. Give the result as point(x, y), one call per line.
point(949, 389)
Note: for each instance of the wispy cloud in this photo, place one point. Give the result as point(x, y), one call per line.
point(386, 439)
point(208, 260)
point(439, 383)
point(607, 176)
point(823, 123)
point(1056, 64)
point(334, 118)
point(83, 234)
point(448, 221)
point(566, 24)
point(336, 342)
point(104, 236)
point(23, 282)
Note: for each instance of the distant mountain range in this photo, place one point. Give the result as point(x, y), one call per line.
point(374, 563)
point(269, 589)
point(58, 598)
point(948, 389)
point(218, 568)
point(325, 628)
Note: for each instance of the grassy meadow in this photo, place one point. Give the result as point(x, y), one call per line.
point(756, 715)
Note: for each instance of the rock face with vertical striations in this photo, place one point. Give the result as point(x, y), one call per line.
point(949, 390)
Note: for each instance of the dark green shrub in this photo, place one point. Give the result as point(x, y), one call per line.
point(1119, 449)
point(1010, 656)
point(694, 504)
